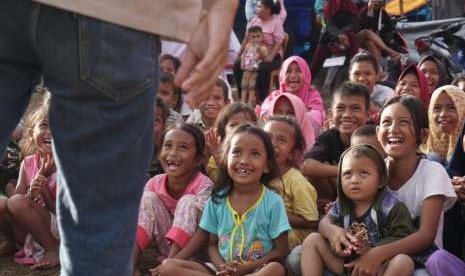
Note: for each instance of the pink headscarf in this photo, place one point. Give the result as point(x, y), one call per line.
point(301, 116)
point(309, 96)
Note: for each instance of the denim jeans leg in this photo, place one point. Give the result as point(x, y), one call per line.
point(102, 77)
point(19, 66)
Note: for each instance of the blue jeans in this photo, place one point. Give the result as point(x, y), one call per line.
point(102, 78)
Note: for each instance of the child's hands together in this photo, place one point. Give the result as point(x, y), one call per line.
point(35, 190)
point(47, 165)
point(340, 242)
point(231, 269)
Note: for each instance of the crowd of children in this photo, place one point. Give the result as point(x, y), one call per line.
point(282, 187)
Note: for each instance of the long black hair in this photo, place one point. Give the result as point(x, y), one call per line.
point(224, 183)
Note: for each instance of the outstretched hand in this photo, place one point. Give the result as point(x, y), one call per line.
point(207, 51)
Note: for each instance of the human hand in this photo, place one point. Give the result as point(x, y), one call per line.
point(35, 190)
point(459, 187)
point(155, 271)
point(47, 165)
point(207, 51)
point(213, 143)
point(228, 269)
point(340, 242)
point(367, 264)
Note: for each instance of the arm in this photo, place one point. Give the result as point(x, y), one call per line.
point(297, 221)
point(315, 168)
point(213, 252)
point(304, 213)
point(193, 246)
point(370, 262)
point(336, 235)
point(399, 224)
point(21, 187)
point(274, 51)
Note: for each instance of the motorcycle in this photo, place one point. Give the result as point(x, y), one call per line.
point(447, 44)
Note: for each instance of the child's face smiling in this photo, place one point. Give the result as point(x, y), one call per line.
point(178, 155)
point(282, 136)
point(294, 78)
point(409, 85)
point(42, 136)
point(445, 113)
point(349, 113)
point(363, 72)
point(360, 178)
point(396, 132)
point(211, 108)
point(431, 71)
point(247, 160)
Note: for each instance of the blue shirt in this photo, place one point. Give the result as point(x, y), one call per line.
point(250, 237)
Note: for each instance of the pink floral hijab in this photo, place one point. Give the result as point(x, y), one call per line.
point(310, 96)
point(301, 116)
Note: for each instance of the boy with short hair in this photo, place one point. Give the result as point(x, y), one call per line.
point(205, 117)
point(367, 135)
point(170, 95)
point(349, 110)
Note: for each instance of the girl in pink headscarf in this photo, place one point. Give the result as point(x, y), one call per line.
point(291, 105)
point(295, 77)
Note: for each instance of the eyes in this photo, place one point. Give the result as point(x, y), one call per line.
point(342, 108)
point(349, 173)
point(440, 108)
point(402, 122)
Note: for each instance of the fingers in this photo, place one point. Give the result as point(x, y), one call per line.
point(207, 52)
point(201, 81)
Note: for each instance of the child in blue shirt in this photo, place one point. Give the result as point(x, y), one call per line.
point(246, 222)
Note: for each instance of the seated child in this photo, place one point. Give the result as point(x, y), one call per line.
point(365, 215)
point(445, 113)
point(169, 64)
point(364, 68)
point(367, 135)
point(32, 208)
point(295, 77)
point(412, 81)
point(205, 117)
point(246, 222)
point(349, 108)
point(230, 117)
point(172, 202)
point(299, 195)
point(291, 105)
point(171, 96)
point(161, 115)
point(254, 53)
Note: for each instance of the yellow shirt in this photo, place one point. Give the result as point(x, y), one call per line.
point(300, 198)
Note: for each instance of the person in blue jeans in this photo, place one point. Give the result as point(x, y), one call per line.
point(100, 60)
